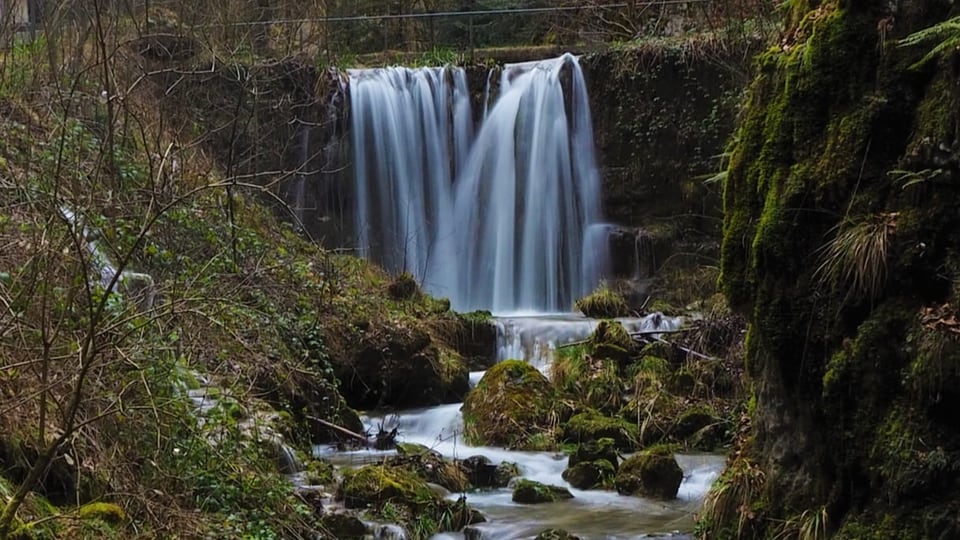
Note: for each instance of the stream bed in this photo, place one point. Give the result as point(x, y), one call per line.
point(591, 515)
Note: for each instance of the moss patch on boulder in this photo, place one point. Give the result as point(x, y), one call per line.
point(510, 406)
point(651, 473)
point(530, 492)
point(591, 425)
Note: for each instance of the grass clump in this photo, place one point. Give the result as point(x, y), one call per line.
point(603, 303)
point(857, 257)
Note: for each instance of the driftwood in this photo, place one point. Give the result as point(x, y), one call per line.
point(343, 430)
point(686, 350)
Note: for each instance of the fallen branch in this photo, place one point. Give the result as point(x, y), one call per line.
point(343, 430)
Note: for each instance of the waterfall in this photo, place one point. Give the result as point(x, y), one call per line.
point(498, 221)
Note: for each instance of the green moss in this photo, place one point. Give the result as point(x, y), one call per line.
point(108, 512)
point(592, 425)
point(530, 492)
point(511, 406)
point(611, 340)
point(694, 419)
point(603, 303)
point(653, 472)
point(375, 485)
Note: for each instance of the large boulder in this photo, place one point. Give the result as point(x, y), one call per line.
point(510, 407)
point(482, 473)
point(590, 474)
point(398, 364)
point(592, 464)
point(375, 485)
point(651, 473)
point(530, 492)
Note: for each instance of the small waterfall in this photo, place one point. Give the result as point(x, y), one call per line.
point(501, 226)
point(299, 188)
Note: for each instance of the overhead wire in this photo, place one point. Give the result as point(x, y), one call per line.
point(468, 13)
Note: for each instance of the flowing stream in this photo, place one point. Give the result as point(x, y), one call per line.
point(593, 514)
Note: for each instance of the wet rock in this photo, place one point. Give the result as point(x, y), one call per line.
point(343, 526)
point(506, 471)
point(472, 533)
point(430, 466)
point(482, 473)
point(509, 407)
point(651, 473)
point(530, 492)
point(556, 534)
point(589, 474)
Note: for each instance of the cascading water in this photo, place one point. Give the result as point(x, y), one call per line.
point(502, 226)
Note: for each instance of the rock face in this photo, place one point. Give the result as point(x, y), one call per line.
point(661, 116)
point(400, 365)
point(530, 492)
point(652, 473)
point(840, 247)
point(509, 406)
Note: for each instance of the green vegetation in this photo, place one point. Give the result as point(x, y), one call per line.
point(603, 303)
point(814, 196)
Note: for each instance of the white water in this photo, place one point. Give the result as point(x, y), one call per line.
point(593, 514)
point(502, 226)
point(534, 338)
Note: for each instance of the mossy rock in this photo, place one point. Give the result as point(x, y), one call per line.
point(591, 425)
point(398, 364)
point(344, 526)
point(404, 287)
point(107, 512)
point(530, 492)
point(590, 474)
point(603, 303)
point(510, 406)
point(651, 473)
point(556, 534)
point(693, 420)
point(611, 340)
point(374, 485)
point(482, 473)
point(605, 449)
point(430, 466)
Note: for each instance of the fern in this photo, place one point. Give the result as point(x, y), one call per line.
point(946, 35)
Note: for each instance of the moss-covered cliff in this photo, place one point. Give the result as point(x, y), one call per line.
point(840, 246)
